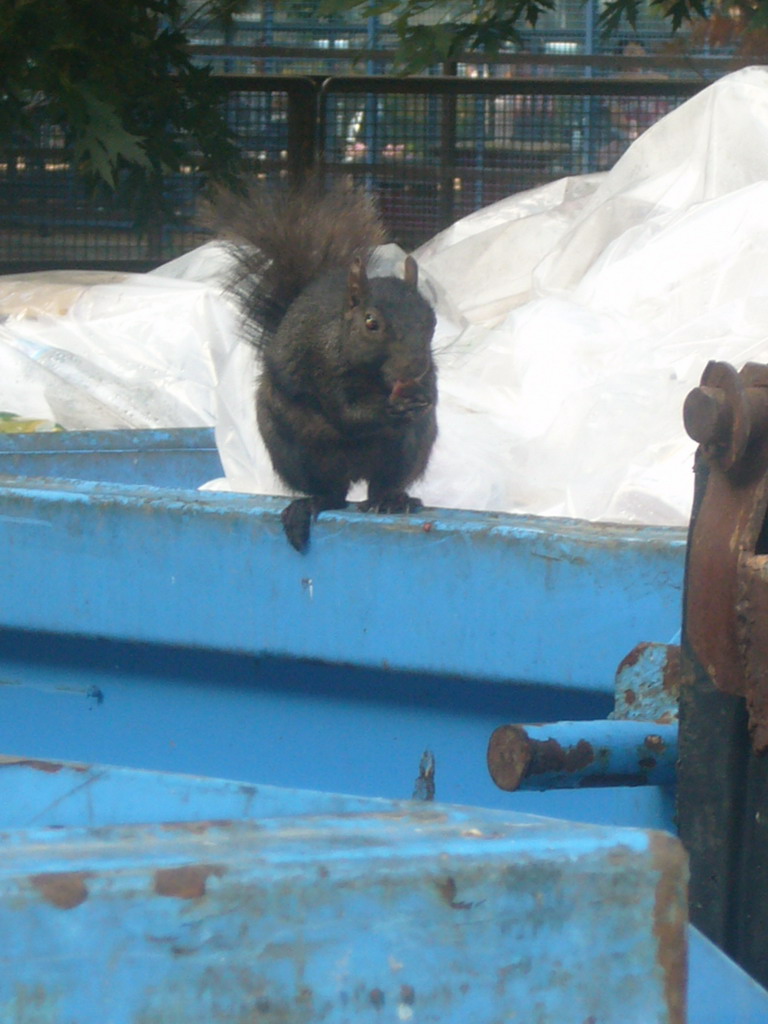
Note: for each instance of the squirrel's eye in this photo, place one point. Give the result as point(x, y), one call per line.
point(371, 323)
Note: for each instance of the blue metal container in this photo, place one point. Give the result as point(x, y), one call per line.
point(173, 629)
point(147, 624)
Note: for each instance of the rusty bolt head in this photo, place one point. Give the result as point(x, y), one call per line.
point(716, 414)
point(509, 754)
point(707, 416)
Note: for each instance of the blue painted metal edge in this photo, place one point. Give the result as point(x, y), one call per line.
point(96, 442)
point(530, 599)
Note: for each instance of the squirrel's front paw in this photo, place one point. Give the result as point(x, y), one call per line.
point(398, 503)
point(408, 399)
point(408, 407)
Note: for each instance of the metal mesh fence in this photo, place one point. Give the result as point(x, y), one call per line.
point(432, 149)
point(435, 156)
point(271, 40)
point(259, 121)
point(48, 216)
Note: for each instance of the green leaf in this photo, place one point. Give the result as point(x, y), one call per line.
point(617, 11)
point(102, 140)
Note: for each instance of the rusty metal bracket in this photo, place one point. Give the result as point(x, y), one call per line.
point(727, 575)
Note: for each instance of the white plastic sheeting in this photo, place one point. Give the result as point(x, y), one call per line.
point(106, 351)
point(572, 321)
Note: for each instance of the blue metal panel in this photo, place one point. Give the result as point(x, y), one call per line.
point(423, 913)
point(57, 794)
point(113, 558)
point(535, 600)
point(90, 807)
point(719, 992)
point(290, 723)
point(167, 458)
point(207, 615)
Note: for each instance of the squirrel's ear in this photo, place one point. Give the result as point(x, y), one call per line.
point(411, 272)
point(357, 284)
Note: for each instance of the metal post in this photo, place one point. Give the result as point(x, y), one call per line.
point(723, 770)
point(590, 103)
point(447, 152)
point(304, 130)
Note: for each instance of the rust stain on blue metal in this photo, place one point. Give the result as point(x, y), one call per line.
point(62, 889)
point(197, 827)
point(407, 995)
point(377, 998)
point(323, 909)
point(448, 891)
point(582, 754)
point(648, 683)
point(50, 767)
point(670, 919)
point(188, 882)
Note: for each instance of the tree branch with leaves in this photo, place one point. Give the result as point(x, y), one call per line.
point(117, 80)
point(436, 32)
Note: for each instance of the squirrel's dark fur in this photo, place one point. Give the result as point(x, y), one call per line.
point(348, 386)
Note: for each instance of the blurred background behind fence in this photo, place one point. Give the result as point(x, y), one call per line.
point(434, 148)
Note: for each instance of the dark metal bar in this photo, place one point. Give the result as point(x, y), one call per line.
point(304, 140)
point(710, 799)
point(420, 85)
point(704, 67)
point(447, 152)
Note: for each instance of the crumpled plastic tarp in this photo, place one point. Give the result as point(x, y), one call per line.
point(573, 319)
point(90, 350)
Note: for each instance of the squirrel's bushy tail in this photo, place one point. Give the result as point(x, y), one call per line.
point(284, 238)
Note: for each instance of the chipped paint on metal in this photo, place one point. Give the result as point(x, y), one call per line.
point(647, 686)
point(63, 889)
point(51, 767)
point(188, 882)
point(582, 754)
point(327, 915)
point(670, 919)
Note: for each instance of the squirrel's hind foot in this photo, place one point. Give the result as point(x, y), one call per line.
point(397, 504)
point(297, 518)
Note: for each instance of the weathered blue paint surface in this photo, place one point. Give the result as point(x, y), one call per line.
point(314, 907)
point(162, 458)
point(648, 683)
point(114, 904)
point(544, 601)
point(37, 793)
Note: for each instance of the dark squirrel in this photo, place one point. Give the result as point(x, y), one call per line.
point(348, 385)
